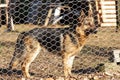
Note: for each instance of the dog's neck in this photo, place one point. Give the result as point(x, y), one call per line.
point(81, 35)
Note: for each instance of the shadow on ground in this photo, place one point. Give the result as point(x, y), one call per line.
point(98, 68)
point(9, 72)
point(89, 70)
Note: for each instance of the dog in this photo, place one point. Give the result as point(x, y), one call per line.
point(66, 41)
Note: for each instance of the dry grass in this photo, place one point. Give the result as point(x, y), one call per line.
point(96, 51)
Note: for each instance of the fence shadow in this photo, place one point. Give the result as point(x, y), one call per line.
point(98, 68)
point(8, 72)
point(100, 51)
point(89, 70)
point(6, 43)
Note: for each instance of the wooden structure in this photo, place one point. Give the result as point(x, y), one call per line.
point(6, 11)
point(9, 21)
point(107, 12)
point(116, 54)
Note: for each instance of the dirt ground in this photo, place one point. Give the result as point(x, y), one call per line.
point(92, 63)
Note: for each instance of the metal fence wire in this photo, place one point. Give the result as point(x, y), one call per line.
point(59, 40)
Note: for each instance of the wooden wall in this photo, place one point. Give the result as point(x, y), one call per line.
point(107, 12)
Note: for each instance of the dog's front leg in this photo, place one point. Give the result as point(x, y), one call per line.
point(25, 69)
point(68, 62)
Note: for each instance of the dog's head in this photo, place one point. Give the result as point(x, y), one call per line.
point(85, 26)
point(89, 29)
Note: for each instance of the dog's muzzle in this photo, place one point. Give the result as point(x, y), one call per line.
point(95, 31)
point(91, 31)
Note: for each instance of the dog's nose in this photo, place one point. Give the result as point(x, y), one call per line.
point(95, 31)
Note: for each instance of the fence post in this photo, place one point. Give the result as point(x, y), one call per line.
point(4, 5)
point(6, 12)
point(10, 25)
point(0, 15)
point(117, 3)
point(95, 12)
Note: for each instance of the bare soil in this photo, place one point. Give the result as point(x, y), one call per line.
point(92, 63)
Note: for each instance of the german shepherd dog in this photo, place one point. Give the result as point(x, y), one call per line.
point(66, 41)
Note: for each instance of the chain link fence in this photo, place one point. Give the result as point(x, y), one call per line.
point(42, 34)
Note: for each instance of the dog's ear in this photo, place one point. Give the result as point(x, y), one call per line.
point(80, 30)
point(82, 17)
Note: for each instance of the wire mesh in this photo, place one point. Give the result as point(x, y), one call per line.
point(40, 38)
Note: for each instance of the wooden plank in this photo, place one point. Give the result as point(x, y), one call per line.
point(100, 11)
point(109, 20)
point(116, 54)
point(108, 24)
point(107, 2)
point(48, 17)
point(12, 24)
point(108, 11)
point(108, 7)
point(109, 16)
point(3, 5)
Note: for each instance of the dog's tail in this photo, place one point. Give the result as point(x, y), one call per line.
point(19, 50)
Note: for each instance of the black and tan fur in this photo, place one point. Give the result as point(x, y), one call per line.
point(67, 41)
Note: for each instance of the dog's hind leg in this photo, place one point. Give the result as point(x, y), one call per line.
point(19, 52)
point(33, 48)
point(17, 57)
point(14, 62)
